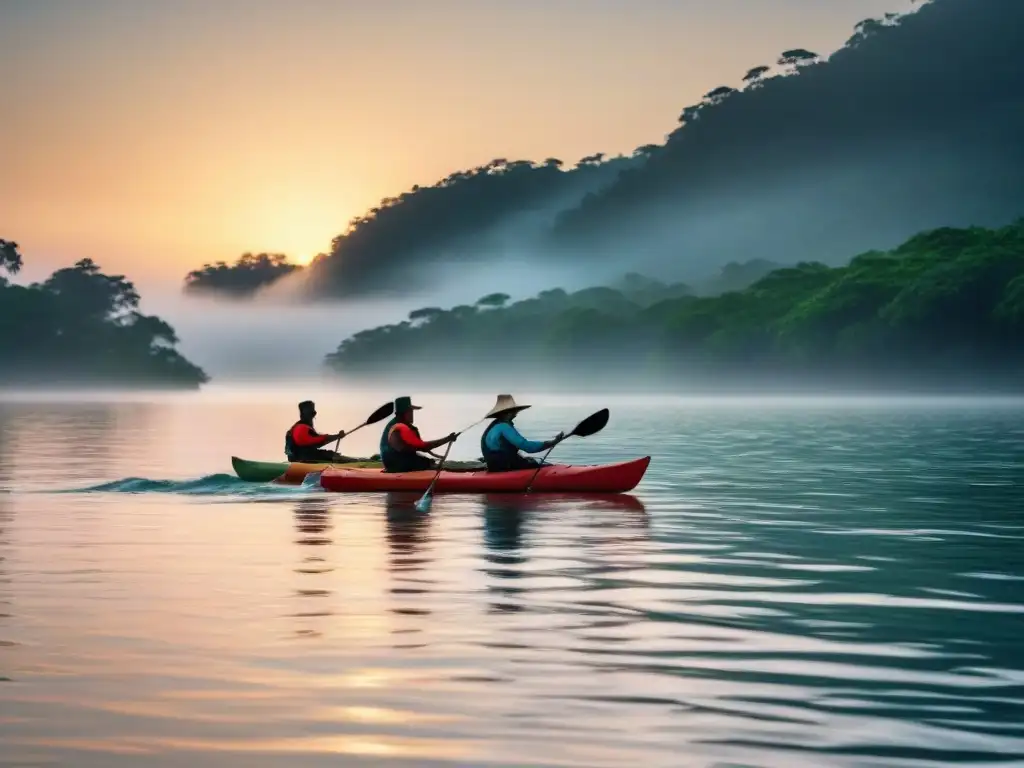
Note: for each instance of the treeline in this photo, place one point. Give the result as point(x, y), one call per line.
point(880, 105)
point(242, 279)
point(81, 326)
point(944, 308)
point(458, 213)
point(914, 122)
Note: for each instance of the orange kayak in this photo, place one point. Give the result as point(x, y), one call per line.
point(556, 478)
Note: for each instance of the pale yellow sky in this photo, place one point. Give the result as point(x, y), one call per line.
point(152, 136)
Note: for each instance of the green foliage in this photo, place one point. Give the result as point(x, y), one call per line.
point(243, 279)
point(945, 297)
point(83, 326)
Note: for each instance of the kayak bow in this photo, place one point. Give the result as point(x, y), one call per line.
point(265, 471)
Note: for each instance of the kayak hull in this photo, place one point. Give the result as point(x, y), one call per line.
point(556, 478)
point(267, 471)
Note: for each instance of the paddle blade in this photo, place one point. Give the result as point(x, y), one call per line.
point(423, 505)
point(386, 410)
point(591, 425)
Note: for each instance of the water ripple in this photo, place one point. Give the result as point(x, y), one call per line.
point(789, 587)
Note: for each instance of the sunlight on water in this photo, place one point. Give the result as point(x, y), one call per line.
point(794, 583)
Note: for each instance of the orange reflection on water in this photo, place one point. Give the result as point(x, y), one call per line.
point(383, 715)
point(348, 744)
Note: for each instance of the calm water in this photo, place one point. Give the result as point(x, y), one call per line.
point(793, 584)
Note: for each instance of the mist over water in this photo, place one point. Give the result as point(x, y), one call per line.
point(278, 334)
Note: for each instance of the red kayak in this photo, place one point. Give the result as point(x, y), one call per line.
point(556, 478)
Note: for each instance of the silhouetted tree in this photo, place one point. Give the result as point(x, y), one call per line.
point(10, 258)
point(718, 95)
point(754, 75)
point(494, 300)
point(797, 57)
point(646, 150)
point(245, 277)
point(81, 325)
point(427, 313)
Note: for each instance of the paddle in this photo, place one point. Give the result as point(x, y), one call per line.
point(423, 505)
point(386, 410)
point(591, 425)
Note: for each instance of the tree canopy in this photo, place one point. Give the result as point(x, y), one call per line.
point(83, 326)
point(946, 307)
point(243, 279)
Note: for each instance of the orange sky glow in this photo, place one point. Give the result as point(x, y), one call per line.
point(153, 137)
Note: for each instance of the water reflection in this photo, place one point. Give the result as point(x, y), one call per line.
point(85, 437)
point(504, 519)
point(509, 518)
point(6, 547)
point(803, 592)
point(313, 526)
point(408, 537)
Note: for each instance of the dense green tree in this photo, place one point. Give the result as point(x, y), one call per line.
point(83, 326)
point(947, 305)
point(243, 279)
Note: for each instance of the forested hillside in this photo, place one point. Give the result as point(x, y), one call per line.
point(913, 124)
point(944, 310)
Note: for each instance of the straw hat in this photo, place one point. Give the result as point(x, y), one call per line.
point(505, 404)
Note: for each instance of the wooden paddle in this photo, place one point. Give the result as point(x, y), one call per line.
point(297, 477)
point(591, 425)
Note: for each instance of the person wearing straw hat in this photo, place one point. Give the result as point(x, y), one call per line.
point(501, 442)
point(401, 441)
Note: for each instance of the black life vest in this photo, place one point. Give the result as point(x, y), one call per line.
point(394, 460)
point(293, 450)
point(505, 458)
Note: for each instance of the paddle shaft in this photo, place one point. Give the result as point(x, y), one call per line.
point(591, 425)
point(440, 467)
point(337, 444)
point(458, 433)
point(536, 472)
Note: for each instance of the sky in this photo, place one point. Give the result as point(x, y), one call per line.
point(154, 137)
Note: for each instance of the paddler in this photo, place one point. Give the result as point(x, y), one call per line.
point(302, 443)
point(401, 441)
point(501, 442)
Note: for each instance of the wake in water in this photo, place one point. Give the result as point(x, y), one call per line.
point(210, 485)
